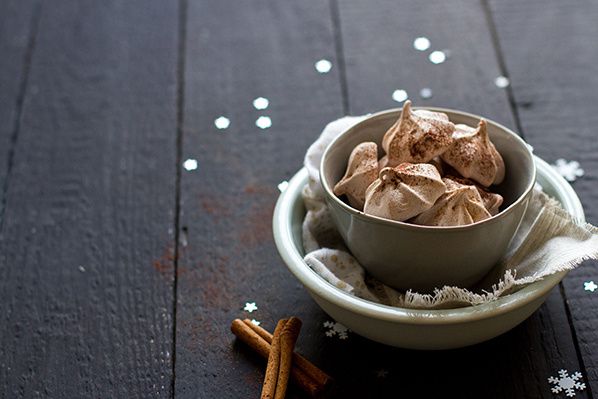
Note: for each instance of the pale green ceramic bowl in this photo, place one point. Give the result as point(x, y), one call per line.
point(408, 256)
point(408, 328)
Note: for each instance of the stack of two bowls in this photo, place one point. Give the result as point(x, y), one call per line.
point(408, 256)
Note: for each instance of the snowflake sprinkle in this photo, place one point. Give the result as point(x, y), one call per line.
point(567, 383)
point(590, 286)
point(255, 322)
point(570, 170)
point(336, 329)
point(250, 307)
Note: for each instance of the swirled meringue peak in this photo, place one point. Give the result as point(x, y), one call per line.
point(418, 136)
point(460, 205)
point(362, 170)
point(404, 191)
point(474, 156)
point(492, 201)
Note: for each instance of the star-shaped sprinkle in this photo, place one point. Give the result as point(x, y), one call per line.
point(437, 57)
point(283, 185)
point(190, 164)
point(399, 95)
point(421, 43)
point(250, 307)
point(222, 122)
point(502, 82)
point(263, 122)
point(261, 103)
point(590, 286)
point(255, 322)
point(425, 93)
point(323, 66)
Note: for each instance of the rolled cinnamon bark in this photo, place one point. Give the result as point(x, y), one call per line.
point(271, 377)
point(302, 372)
point(314, 373)
point(288, 338)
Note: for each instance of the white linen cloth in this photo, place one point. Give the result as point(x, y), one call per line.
point(549, 240)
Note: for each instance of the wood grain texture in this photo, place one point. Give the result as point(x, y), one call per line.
point(237, 51)
point(378, 47)
point(18, 23)
point(552, 67)
point(86, 272)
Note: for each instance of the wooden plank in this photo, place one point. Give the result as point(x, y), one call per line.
point(378, 46)
point(18, 23)
point(86, 272)
point(237, 51)
point(554, 82)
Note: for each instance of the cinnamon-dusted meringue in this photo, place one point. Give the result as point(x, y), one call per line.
point(474, 156)
point(460, 205)
point(403, 191)
point(418, 136)
point(492, 201)
point(362, 170)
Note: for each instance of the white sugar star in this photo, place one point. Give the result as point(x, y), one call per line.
point(250, 307)
point(255, 322)
point(590, 286)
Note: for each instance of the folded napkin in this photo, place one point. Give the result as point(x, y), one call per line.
point(549, 240)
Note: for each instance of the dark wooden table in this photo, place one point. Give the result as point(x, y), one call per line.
point(120, 270)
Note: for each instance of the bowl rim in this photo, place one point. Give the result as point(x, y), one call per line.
point(410, 226)
point(317, 286)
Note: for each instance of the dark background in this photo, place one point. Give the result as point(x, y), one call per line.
point(120, 271)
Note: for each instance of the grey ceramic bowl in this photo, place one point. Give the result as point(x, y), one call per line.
point(411, 328)
point(408, 256)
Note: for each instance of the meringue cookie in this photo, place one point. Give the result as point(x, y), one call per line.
point(474, 156)
point(460, 205)
point(362, 170)
point(404, 191)
point(492, 201)
point(418, 136)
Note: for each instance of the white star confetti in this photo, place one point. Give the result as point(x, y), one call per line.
point(222, 122)
point(263, 122)
point(255, 322)
point(437, 57)
point(425, 93)
point(190, 164)
point(570, 170)
point(502, 82)
point(399, 95)
point(336, 329)
point(323, 66)
point(567, 383)
point(421, 43)
point(250, 307)
point(261, 103)
point(590, 286)
point(283, 186)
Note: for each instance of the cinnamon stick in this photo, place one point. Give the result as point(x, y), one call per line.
point(307, 376)
point(314, 373)
point(288, 338)
point(271, 377)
